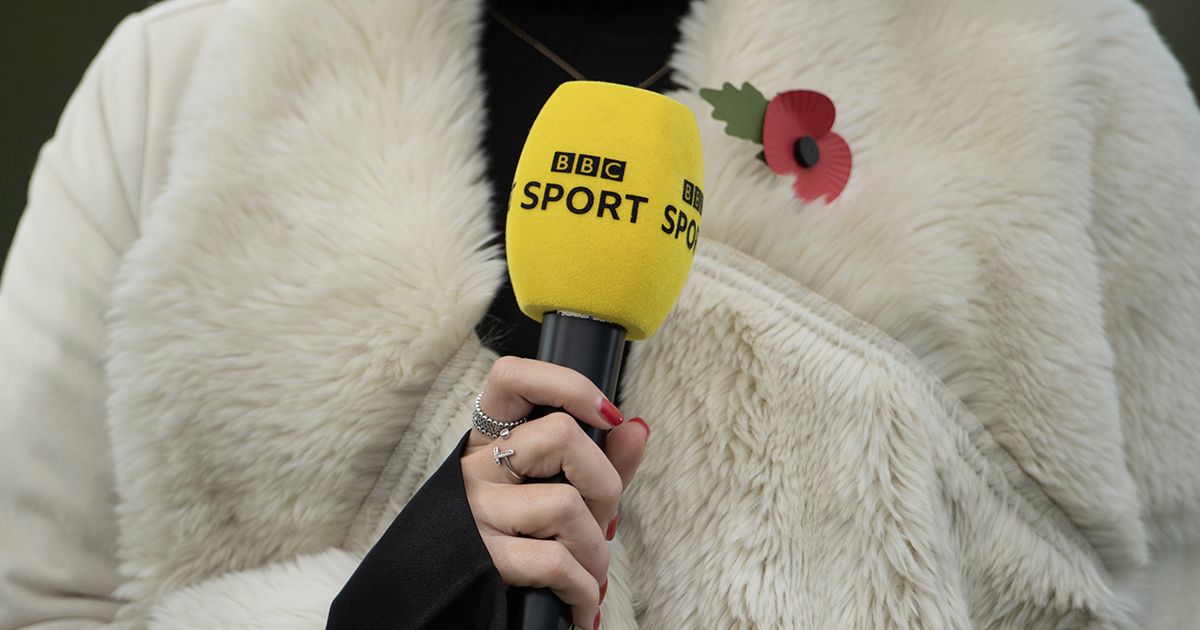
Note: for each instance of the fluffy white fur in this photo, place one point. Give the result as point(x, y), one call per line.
point(288, 355)
point(298, 285)
point(282, 596)
point(839, 484)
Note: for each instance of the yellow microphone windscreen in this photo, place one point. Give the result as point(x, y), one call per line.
point(604, 211)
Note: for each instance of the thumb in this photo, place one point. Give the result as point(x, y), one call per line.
point(625, 446)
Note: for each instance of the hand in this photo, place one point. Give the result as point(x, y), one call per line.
point(551, 535)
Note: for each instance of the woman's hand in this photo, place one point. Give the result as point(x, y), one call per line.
point(551, 535)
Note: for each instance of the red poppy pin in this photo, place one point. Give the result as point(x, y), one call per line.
point(796, 131)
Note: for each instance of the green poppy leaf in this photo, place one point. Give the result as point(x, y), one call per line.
point(741, 109)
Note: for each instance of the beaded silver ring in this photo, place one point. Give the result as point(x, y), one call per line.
point(491, 427)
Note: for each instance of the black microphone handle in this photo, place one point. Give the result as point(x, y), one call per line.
point(592, 348)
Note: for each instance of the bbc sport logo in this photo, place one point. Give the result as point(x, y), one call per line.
point(589, 165)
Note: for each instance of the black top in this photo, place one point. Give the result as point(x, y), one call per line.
point(431, 568)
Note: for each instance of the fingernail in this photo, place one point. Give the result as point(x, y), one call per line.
point(610, 412)
point(612, 528)
point(644, 426)
point(603, 591)
point(596, 624)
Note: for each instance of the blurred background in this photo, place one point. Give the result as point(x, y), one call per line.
point(45, 45)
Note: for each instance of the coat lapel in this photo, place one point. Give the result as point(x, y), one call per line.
point(320, 251)
point(963, 230)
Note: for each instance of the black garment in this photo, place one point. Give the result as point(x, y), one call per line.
point(431, 568)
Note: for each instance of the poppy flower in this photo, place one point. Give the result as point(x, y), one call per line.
point(795, 130)
point(798, 139)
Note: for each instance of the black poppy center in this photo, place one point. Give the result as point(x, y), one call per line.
point(806, 152)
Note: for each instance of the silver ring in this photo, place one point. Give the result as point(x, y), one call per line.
point(502, 456)
point(491, 427)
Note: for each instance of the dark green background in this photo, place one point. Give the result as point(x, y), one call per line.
point(46, 44)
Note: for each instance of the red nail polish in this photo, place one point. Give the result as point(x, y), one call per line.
point(644, 426)
point(596, 624)
point(612, 528)
point(603, 591)
point(610, 412)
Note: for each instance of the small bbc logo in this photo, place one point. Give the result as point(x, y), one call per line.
point(589, 165)
point(692, 196)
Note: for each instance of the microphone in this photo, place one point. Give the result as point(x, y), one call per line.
point(603, 220)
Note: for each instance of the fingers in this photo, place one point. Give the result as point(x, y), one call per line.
point(548, 564)
point(515, 386)
point(551, 510)
point(551, 535)
point(544, 447)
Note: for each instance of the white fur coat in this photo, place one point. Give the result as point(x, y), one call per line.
point(964, 394)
